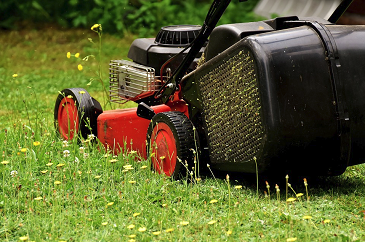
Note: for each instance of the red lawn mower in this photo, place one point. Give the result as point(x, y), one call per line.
point(281, 94)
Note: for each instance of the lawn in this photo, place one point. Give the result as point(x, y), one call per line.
point(52, 190)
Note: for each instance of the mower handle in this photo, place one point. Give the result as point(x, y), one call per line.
point(341, 9)
point(214, 14)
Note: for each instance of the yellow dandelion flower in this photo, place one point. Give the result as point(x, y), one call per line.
point(132, 236)
point(142, 229)
point(5, 162)
point(97, 177)
point(307, 217)
point(79, 66)
point(132, 240)
point(23, 238)
point(291, 239)
point(291, 199)
point(95, 26)
point(68, 55)
point(44, 171)
point(128, 167)
point(36, 143)
point(212, 222)
point(143, 167)
point(15, 75)
point(57, 182)
point(229, 232)
point(38, 198)
point(299, 194)
point(213, 201)
point(77, 55)
point(136, 214)
point(132, 182)
point(156, 233)
point(184, 223)
point(110, 204)
point(49, 164)
point(326, 221)
point(104, 223)
point(60, 165)
point(238, 187)
point(169, 230)
point(23, 150)
point(131, 226)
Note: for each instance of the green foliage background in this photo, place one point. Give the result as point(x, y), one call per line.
point(143, 17)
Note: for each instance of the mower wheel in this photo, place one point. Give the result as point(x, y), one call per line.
point(76, 112)
point(171, 141)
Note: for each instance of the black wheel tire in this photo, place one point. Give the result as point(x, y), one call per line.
point(171, 140)
point(76, 113)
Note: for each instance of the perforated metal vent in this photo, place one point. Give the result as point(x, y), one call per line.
point(231, 110)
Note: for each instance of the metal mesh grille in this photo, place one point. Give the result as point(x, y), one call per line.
point(128, 80)
point(231, 110)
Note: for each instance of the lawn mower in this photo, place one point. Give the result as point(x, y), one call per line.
point(277, 95)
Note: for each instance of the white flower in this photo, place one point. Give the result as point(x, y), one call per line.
point(86, 155)
point(82, 149)
point(76, 160)
point(66, 153)
point(65, 143)
point(91, 136)
point(13, 173)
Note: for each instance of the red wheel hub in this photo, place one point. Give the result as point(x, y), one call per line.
point(163, 147)
point(68, 119)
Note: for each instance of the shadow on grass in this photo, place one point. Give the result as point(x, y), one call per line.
point(345, 184)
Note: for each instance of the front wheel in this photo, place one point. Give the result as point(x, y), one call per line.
point(76, 113)
point(172, 143)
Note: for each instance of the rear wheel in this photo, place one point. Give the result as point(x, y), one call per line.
point(171, 140)
point(76, 113)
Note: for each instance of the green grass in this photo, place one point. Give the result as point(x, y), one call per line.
point(46, 196)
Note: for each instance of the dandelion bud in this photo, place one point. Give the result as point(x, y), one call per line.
point(267, 185)
point(80, 67)
point(68, 55)
point(227, 177)
point(305, 182)
point(277, 187)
